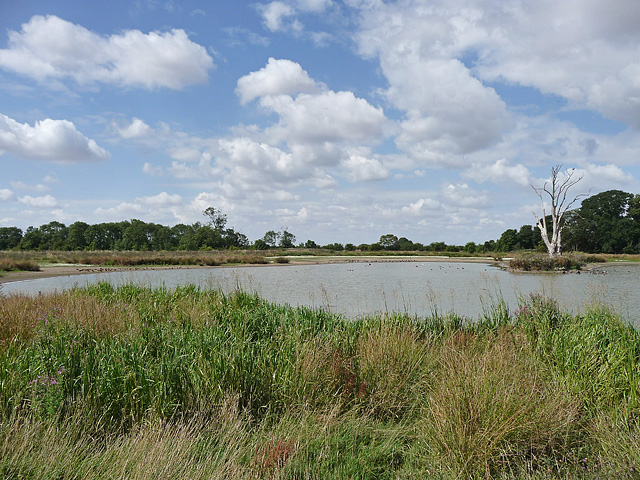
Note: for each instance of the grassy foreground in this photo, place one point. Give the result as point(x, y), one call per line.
point(141, 383)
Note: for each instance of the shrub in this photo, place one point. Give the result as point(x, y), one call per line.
point(545, 263)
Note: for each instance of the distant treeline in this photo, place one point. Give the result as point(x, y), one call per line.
point(608, 222)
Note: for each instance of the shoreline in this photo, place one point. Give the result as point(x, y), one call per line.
point(57, 270)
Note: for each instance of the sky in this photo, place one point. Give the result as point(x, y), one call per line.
point(337, 120)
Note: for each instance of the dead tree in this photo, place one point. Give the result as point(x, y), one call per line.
point(557, 189)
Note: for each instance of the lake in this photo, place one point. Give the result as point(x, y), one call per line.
point(416, 288)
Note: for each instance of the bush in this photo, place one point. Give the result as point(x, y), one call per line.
point(544, 263)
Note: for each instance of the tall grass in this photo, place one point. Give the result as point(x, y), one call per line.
point(8, 265)
point(106, 382)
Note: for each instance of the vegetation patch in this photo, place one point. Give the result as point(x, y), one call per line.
point(545, 263)
point(106, 382)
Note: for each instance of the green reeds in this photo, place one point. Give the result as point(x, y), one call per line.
point(105, 382)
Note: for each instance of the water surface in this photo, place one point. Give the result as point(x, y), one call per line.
point(417, 288)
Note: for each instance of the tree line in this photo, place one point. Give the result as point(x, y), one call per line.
point(608, 222)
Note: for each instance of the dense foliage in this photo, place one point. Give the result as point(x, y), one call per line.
point(608, 222)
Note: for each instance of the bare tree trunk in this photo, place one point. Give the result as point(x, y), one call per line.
point(557, 191)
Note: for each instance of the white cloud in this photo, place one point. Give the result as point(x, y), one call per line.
point(460, 195)
point(284, 196)
point(163, 199)
point(421, 206)
point(50, 179)
point(588, 53)
point(46, 201)
point(256, 163)
point(499, 172)
point(274, 15)
point(278, 77)
point(279, 16)
point(326, 117)
point(123, 210)
point(136, 129)
point(364, 169)
point(49, 47)
point(448, 110)
point(40, 188)
point(316, 6)
point(52, 140)
point(6, 195)
point(152, 170)
point(603, 176)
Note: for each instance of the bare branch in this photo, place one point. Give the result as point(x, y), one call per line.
point(557, 188)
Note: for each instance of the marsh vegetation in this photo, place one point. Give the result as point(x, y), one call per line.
point(105, 382)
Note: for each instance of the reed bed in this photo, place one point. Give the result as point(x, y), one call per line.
point(134, 382)
point(129, 259)
point(9, 265)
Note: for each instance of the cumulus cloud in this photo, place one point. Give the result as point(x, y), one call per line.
point(599, 176)
point(326, 117)
point(49, 47)
point(278, 77)
point(163, 199)
point(448, 110)
point(123, 210)
point(364, 169)
point(588, 54)
point(52, 140)
point(460, 195)
point(421, 206)
point(6, 195)
point(274, 14)
point(137, 128)
point(46, 201)
point(249, 161)
point(499, 172)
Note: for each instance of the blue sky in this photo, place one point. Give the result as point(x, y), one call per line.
point(340, 121)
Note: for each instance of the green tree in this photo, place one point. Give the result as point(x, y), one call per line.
point(217, 219)
point(260, 244)
point(605, 223)
point(405, 244)
point(10, 237)
point(507, 241)
point(525, 237)
point(270, 238)
point(76, 239)
point(53, 236)
point(388, 241)
point(31, 239)
point(286, 239)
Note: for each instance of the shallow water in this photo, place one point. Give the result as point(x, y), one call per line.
point(416, 288)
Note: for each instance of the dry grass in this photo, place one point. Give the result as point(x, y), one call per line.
point(494, 407)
